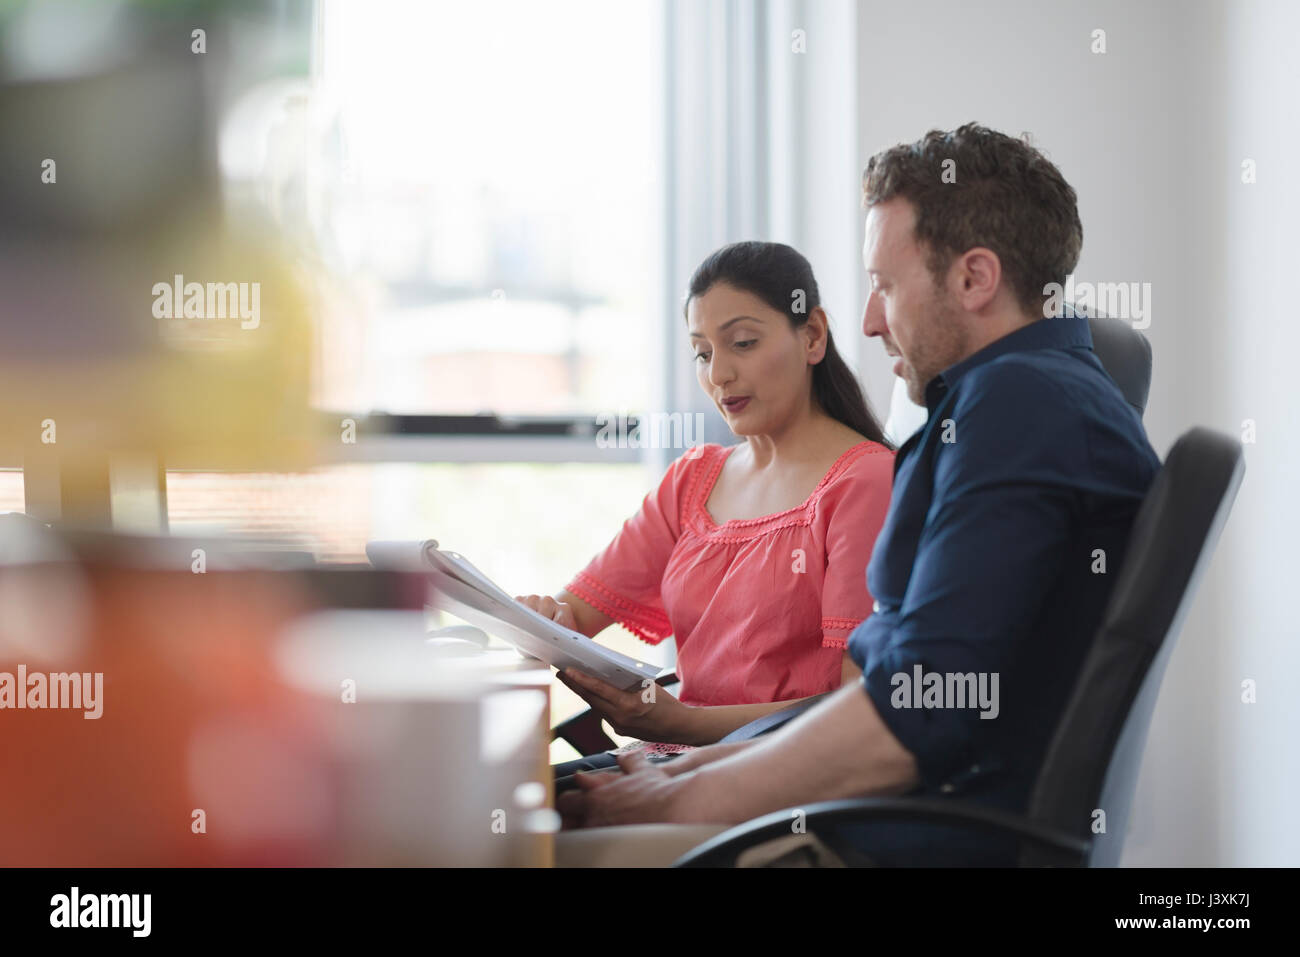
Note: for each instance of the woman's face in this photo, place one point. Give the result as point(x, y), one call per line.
point(750, 360)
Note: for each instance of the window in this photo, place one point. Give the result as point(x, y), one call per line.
point(482, 212)
point(488, 206)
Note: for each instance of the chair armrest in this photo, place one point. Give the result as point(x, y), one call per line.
point(721, 851)
point(771, 721)
point(584, 732)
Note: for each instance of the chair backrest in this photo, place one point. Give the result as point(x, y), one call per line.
point(1125, 354)
point(1092, 763)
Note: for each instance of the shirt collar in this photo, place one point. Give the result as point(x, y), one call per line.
point(1058, 332)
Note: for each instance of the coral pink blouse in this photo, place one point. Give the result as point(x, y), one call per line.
point(761, 608)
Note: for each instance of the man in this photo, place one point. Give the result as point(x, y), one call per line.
point(1010, 515)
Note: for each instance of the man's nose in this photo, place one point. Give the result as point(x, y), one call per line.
point(873, 316)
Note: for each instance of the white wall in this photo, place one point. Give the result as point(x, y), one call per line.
point(1252, 364)
point(1151, 134)
point(822, 154)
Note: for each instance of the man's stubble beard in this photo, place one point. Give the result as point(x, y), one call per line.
point(944, 345)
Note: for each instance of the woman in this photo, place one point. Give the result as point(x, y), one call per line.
point(754, 556)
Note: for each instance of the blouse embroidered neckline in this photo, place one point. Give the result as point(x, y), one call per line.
point(800, 514)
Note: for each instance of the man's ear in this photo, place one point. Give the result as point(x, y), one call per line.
point(975, 277)
point(816, 333)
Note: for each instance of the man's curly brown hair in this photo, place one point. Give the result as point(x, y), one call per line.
point(1007, 197)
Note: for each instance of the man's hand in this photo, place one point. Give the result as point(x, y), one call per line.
point(575, 806)
point(643, 793)
point(840, 748)
point(691, 760)
point(649, 713)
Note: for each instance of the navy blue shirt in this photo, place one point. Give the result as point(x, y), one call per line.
point(1010, 514)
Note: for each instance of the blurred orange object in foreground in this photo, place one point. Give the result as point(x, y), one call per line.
point(201, 756)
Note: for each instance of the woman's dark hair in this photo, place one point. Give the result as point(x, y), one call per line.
point(778, 274)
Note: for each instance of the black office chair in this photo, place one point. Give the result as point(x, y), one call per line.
point(1093, 760)
point(1124, 353)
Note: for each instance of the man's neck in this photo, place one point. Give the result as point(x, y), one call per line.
point(987, 330)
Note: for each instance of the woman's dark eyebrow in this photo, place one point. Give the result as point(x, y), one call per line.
point(700, 335)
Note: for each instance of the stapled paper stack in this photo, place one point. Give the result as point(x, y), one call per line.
point(462, 590)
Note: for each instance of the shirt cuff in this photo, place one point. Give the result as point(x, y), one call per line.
point(939, 738)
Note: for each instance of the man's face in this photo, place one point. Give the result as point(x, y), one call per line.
point(918, 323)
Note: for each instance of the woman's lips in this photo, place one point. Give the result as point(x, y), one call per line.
point(735, 405)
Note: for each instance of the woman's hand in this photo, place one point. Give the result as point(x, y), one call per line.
point(558, 611)
point(649, 713)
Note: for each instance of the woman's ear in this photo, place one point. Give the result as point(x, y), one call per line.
point(816, 332)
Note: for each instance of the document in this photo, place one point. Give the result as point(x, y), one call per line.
point(462, 590)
